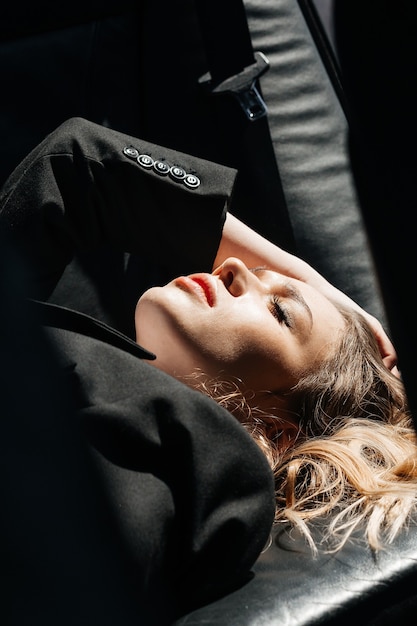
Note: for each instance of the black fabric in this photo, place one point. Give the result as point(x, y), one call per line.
point(109, 176)
point(226, 55)
point(189, 516)
point(60, 560)
point(26, 18)
point(61, 317)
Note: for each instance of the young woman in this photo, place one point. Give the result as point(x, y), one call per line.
point(310, 375)
point(307, 379)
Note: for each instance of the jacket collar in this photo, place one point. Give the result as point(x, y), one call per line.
point(58, 316)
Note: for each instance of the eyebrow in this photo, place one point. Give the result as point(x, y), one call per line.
point(292, 292)
point(295, 294)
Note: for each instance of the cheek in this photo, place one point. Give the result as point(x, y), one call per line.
point(182, 335)
point(241, 351)
point(242, 337)
point(268, 359)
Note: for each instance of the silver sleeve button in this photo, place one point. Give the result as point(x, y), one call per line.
point(161, 167)
point(130, 152)
point(177, 173)
point(145, 161)
point(192, 181)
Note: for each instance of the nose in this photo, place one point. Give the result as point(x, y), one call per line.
point(236, 277)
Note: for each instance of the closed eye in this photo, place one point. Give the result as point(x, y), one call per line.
point(280, 312)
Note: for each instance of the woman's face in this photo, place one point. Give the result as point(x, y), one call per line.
point(256, 326)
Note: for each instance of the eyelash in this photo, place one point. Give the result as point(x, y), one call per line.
point(278, 312)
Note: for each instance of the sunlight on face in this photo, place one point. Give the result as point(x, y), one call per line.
point(257, 326)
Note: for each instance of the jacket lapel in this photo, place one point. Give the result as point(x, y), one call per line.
point(57, 316)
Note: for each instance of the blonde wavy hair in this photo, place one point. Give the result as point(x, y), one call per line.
point(353, 463)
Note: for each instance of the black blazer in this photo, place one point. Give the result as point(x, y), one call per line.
point(190, 493)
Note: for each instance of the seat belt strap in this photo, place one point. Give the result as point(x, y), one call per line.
point(226, 36)
point(234, 67)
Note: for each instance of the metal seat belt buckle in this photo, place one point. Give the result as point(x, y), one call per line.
point(243, 87)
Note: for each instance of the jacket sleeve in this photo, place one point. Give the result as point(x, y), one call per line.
point(86, 186)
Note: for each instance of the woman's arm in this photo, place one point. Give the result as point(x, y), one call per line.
point(241, 241)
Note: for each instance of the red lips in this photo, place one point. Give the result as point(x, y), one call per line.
point(206, 287)
point(201, 284)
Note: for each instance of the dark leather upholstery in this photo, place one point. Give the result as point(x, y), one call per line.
point(113, 64)
point(310, 136)
point(292, 588)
